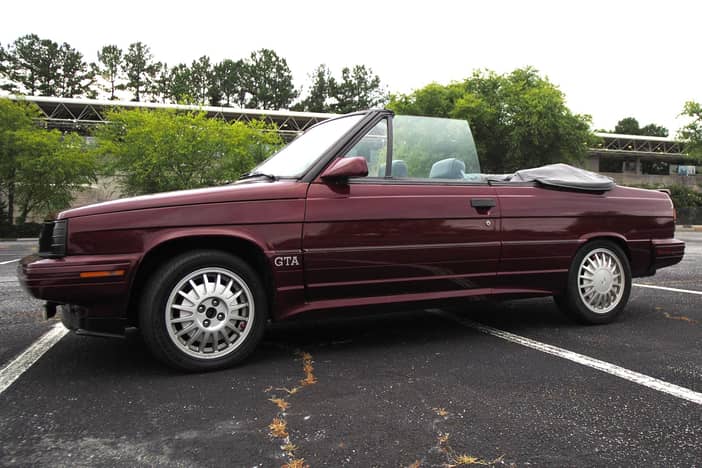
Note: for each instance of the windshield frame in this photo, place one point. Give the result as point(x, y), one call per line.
point(372, 117)
point(328, 153)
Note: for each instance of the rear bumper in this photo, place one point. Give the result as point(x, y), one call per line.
point(666, 252)
point(60, 281)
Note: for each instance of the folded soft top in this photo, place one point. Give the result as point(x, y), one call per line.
point(565, 176)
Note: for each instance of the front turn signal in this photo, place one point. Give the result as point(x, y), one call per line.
point(101, 274)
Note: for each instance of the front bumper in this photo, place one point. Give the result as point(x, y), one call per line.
point(666, 252)
point(78, 280)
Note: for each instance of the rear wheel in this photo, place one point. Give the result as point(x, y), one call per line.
point(599, 283)
point(203, 310)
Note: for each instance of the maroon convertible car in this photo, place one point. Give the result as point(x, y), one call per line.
point(367, 209)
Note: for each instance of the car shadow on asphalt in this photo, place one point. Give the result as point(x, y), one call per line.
point(91, 357)
point(388, 329)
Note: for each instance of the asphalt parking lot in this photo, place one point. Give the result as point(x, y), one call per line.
point(419, 388)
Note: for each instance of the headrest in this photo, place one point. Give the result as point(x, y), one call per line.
point(399, 168)
point(450, 168)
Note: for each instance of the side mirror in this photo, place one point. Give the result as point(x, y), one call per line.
point(344, 168)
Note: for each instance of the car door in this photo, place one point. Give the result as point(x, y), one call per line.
point(411, 229)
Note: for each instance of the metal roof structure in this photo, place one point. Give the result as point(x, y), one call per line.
point(638, 145)
point(82, 114)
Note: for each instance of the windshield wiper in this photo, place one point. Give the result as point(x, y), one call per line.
point(251, 175)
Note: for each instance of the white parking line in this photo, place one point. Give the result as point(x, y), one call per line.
point(10, 261)
point(664, 288)
point(641, 379)
point(24, 361)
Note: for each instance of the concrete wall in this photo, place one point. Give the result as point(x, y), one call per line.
point(625, 178)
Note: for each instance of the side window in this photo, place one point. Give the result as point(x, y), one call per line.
point(430, 148)
point(374, 147)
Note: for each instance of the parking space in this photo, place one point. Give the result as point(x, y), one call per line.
point(420, 387)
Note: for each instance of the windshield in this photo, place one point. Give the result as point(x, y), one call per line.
point(297, 157)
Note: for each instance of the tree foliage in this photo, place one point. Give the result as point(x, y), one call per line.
point(518, 119)
point(692, 132)
point(357, 89)
point(141, 69)
point(654, 130)
point(36, 66)
point(269, 81)
point(176, 84)
point(157, 151)
point(630, 126)
point(40, 170)
point(201, 79)
point(75, 77)
point(228, 85)
point(320, 91)
point(109, 67)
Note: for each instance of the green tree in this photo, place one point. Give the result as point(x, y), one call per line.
point(15, 117)
point(268, 81)
point(434, 100)
point(156, 151)
point(200, 79)
point(358, 89)
point(627, 126)
point(40, 170)
point(692, 132)
point(228, 85)
point(654, 130)
point(321, 90)
point(75, 77)
point(109, 68)
point(630, 126)
point(37, 66)
point(518, 119)
point(32, 66)
point(140, 68)
point(50, 169)
point(19, 65)
point(177, 85)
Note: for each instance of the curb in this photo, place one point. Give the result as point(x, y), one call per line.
point(19, 239)
point(688, 228)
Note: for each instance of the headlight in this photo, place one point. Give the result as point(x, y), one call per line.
point(52, 240)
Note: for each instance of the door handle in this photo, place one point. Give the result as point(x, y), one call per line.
point(482, 203)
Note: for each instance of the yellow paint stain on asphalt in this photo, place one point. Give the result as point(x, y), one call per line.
point(441, 412)
point(297, 463)
point(679, 317)
point(278, 428)
point(453, 458)
point(289, 449)
point(308, 369)
point(280, 403)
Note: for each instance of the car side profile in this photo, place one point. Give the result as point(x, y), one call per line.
point(366, 209)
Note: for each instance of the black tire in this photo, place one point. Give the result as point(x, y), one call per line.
point(161, 335)
point(573, 301)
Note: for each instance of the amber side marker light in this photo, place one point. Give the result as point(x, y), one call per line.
point(101, 274)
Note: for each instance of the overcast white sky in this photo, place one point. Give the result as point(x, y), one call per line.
point(612, 59)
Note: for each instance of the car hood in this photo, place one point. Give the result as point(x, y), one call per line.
point(240, 192)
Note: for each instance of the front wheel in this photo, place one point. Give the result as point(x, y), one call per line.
point(203, 310)
point(599, 283)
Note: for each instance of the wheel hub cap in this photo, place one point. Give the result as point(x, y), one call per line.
point(208, 313)
point(601, 281)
